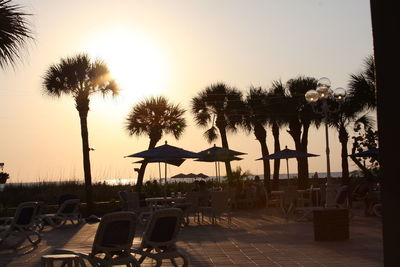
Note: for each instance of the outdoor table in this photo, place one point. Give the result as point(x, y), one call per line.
point(66, 259)
point(161, 202)
point(280, 193)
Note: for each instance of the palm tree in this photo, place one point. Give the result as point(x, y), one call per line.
point(80, 77)
point(361, 98)
point(277, 118)
point(255, 118)
point(301, 118)
point(154, 117)
point(219, 107)
point(362, 86)
point(14, 32)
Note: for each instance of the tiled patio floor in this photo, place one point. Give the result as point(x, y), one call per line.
point(256, 238)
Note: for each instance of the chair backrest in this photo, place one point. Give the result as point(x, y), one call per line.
point(163, 228)
point(25, 214)
point(219, 202)
point(115, 232)
point(69, 207)
point(130, 200)
point(290, 194)
point(342, 196)
point(193, 199)
point(310, 194)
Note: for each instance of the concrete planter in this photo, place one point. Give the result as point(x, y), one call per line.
point(331, 224)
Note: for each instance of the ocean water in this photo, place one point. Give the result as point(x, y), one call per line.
point(321, 175)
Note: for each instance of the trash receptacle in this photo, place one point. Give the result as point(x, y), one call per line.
point(331, 224)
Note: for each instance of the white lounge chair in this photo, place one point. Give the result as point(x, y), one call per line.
point(22, 224)
point(68, 211)
point(112, 242)
point(160, 236)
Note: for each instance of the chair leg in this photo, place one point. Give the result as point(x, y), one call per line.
point(173, 262)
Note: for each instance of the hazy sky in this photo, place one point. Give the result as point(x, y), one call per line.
point(171, 48)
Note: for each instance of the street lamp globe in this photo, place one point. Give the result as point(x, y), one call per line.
point(323, 87)
point(339, 93)
point(312, 96)
point(321, 94)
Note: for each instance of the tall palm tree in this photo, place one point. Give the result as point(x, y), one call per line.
point(154, 117)
point(277, 118)
point(255, 118)
point(301, 118)
point(219, 107)
point(361, 98)
point(80, 77)
point(14, 32)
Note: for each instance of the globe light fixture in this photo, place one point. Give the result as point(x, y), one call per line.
point(321, 94)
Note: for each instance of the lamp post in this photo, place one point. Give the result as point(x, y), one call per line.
point(327, 98)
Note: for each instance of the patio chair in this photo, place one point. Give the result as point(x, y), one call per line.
point(219, 207)
point(130, 201)
point(303, 201)
point(22, 224)
point(289, 198)
point(112, 242)
point(271, 200)
point(68, 211)
point(160, 236)
point(305, 209)
point(192, 198)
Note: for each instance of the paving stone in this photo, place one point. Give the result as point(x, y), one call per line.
point(256, 238)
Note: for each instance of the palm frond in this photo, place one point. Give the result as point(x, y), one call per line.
point(211, 134)
point(154, 116)
point(14, 32)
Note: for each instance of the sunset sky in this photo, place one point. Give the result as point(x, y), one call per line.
point(173, 48)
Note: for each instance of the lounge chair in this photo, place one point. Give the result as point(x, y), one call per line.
point(219, 206)
point(68, 211)
point(160, 236)
point(23, 223)
point(112, 242)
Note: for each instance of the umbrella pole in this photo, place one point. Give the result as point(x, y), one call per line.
point(287, 170)
point(165, 181)
point(216, 171)
point(159, 171)
point(219, 172)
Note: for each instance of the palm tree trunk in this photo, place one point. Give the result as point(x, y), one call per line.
point(277, 162)
point(343, 138)
point(139, 181)
point(261, 135)
point(83, 112)
point(224, 140)
point(304, 174)
point(295, 132)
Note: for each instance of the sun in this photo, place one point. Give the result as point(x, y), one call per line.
point(137, 62)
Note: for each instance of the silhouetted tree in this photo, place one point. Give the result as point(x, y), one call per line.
point(14, 32)
point(80, 77)
point(277, 118)
point(300, 120)
point(255, 119)
point(218, 107)
point(361, 98)
point(154, 117)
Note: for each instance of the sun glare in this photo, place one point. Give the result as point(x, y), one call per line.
point(136, 62)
